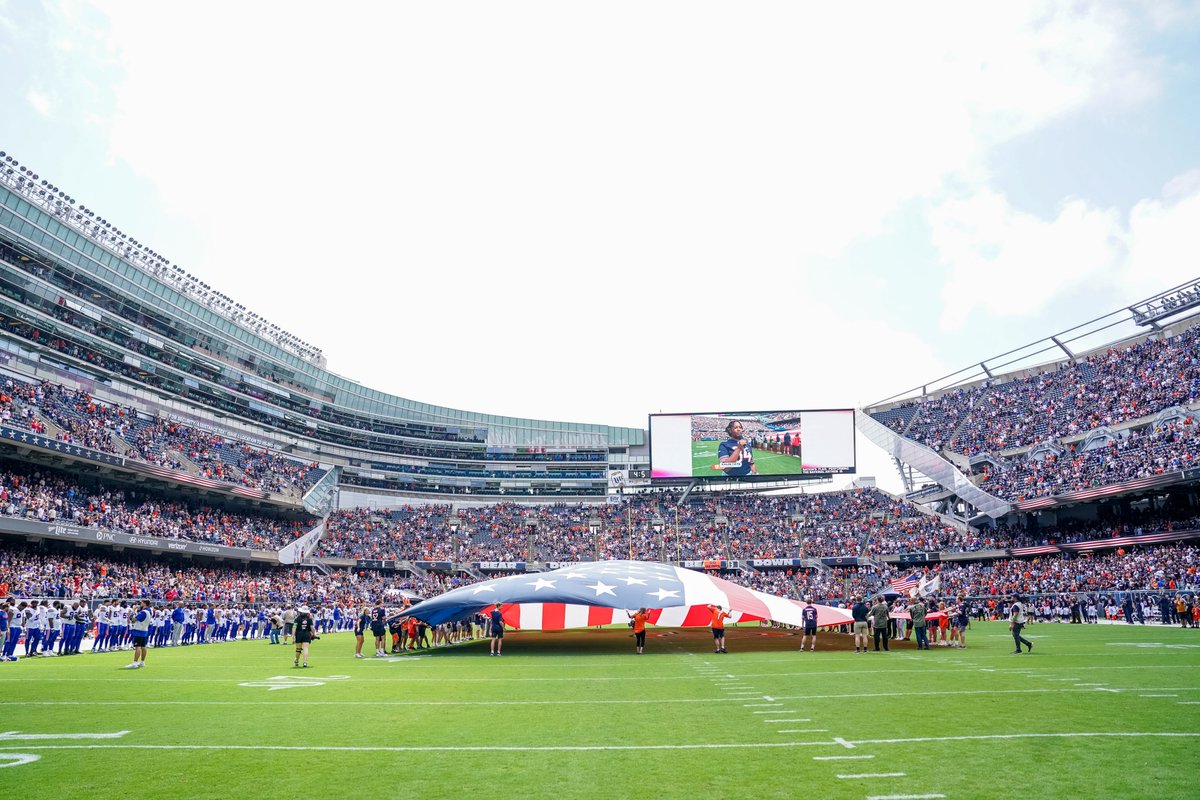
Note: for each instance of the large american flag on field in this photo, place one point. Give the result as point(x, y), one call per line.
point(903, 585)
point(601, 592)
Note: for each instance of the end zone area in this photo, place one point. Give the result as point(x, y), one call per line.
point(1094, 711)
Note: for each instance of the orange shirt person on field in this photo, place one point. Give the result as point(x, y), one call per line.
point(719, 615)
point(639, 628)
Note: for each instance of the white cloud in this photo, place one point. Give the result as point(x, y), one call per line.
point(1011, 264)
point(1164, 239)
point(40, 102)
point(1008, 262)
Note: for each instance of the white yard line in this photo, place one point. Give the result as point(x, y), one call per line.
point(840, 758)
point(454, 749)
point(587, 748)
point(638, 701)
point(873, 775)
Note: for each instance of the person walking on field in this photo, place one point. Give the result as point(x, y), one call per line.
point(639, 628)
point(303, 629)
point(1016, 622)
point(917, 612)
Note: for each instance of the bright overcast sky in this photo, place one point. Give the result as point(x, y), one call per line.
point(592, 211)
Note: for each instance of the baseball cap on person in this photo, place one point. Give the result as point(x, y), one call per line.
point(303, 609)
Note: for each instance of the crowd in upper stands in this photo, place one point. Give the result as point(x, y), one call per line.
point(1109, 388)
point(644, 526)
point(80, 419)
point(1154, 450)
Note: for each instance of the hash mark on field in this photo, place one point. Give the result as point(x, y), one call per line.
point(904, 796)
point(1188, 703)
point(760, 705)
point(840, 758)
point(775, 711)
point(797, 719)
point(806, 730)
point(874, 775)
point(1158, 695)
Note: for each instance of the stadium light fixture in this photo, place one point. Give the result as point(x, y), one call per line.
point(1168, 304)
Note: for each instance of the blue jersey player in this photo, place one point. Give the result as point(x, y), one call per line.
point(735, 457)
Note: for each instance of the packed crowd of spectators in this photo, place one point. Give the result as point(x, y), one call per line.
point(1108, 388)
point(644, 526)
point(28, 571)
point(83, 420)
point(1150, 451)
point(1116, 386)
point(49, 496)
point(858, 523)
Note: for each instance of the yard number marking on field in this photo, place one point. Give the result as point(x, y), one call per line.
point(292, 682)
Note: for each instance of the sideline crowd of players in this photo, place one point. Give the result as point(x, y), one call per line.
point(50, 628)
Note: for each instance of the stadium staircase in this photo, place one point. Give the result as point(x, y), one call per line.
point(931, 465)
point(471, 570)
point(318, 565)
point(321, 498)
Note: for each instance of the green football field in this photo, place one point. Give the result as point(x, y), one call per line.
point(704, 455)
point(1109, 711)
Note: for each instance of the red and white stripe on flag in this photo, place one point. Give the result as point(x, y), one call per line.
point(562, 616)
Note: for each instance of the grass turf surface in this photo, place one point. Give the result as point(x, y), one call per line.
point(581, 716)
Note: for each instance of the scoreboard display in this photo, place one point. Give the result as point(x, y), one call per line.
point(751, 445)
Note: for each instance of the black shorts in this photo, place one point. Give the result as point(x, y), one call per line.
point(377, 630)
point(497, 633)
point(810, 630)
point(287, 629)
point(140, 641)
point(718, 632)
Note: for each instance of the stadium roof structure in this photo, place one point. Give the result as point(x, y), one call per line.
point(600, 592)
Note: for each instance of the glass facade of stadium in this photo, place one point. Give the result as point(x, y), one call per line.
point(85, 305)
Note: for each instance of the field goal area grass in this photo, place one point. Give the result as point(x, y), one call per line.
point(1094, 711)
point(704, 456)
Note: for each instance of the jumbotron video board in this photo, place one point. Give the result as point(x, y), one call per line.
point(751, 445)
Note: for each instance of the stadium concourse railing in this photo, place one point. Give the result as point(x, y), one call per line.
point(930, 464)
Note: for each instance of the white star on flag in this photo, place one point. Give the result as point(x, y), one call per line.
point(541, 584)
point(573, 574)
point(603, 588)
point(482, 588)
point(664, 593)
point(632, 581)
